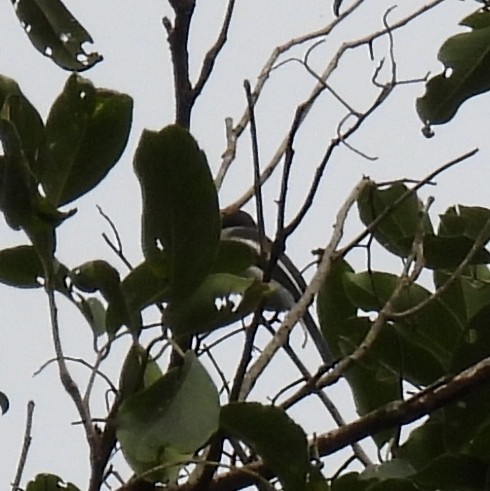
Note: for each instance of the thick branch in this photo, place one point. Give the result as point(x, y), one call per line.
point(393, 414)
point(178, 37)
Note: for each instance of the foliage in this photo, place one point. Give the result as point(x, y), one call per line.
point(386, 331)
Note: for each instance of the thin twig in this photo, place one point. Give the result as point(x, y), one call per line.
point(228, 155)
point(66, 379)
point(395, 413)
point(326, 401)
point(331, 67)
point(297, 311)
point(387, 310)
point(26, 443)
point(93, 368)
point(212, 54)
point(117, 247)
point(256, 167)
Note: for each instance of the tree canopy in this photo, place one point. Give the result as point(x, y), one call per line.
point(412, 350)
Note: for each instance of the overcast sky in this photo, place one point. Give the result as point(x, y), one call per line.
point(132, 40)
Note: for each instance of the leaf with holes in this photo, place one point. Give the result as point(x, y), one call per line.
point(55, 33)
point(49, 482)
point(86, 132)
point(466, 58)
point(180, 207)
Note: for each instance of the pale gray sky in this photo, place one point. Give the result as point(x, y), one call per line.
point(130, 36)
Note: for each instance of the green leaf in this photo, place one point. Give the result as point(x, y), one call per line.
point(96, 275)
point(95, 313)
point(180, 206)
point(4, 403)
point(316, 481)
point(233, 257)
point(396, 232)
point(467, 221)
point(21, 267)
point(138, 372)
point(144, 286)
point(391, 469)
point(350, 482)
point(86, 133)
point(55, 33)
point(164, 424)
point(22, 204)
point(335, 309)
point(16, 108)
point(433, 328)
point(453, 472)
point(274, 436)
point(220, 300)
point(49, 482)
point(100, 276)
point(394, 485)
point(465, 419)
point(466, 58)
point(475, 346)
point(449, 252)
point(468, 294)
point(425, 443)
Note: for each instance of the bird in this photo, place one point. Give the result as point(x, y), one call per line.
point(289, 284)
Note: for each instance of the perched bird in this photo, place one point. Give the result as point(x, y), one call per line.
point(288, 282)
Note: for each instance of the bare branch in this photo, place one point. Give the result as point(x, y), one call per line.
point(25, 447)
point(396, 413)
point(212, 54)
point(297, 311)
point(331, 67)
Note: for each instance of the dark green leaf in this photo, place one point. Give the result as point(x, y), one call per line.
point(397, 231)
point(391, 469)
point(4, 403)
point(86, 133)
point(433, 328)
point(395, 485)
point(96, 275)
point(180, 206)
point(164, 424)
point(449, 252)
point(468, 294)
point(233, 257)
point(100, 276)
point(350, 482)
point(220, 299)
point(95, 313)
point(50, 482)
point(316, 481)
point(138, 372)
point(453, 472)
point(143, 287)
point(335, 309)
point(21, 267)
point(465, 419)
point(467, 221)
point(425, 443)
point(466, 58)
point(274, 436)
point(475, 345)
point(16, 108)
point(20, 200)
point(55, 33)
